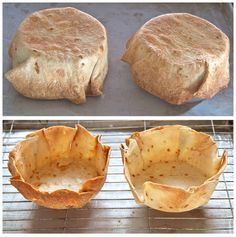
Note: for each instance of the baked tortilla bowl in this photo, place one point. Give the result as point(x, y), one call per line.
point(172, 168)
point(179, 57)
point(59, 53)
point(59, 167)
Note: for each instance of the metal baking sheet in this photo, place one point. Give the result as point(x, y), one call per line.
point(121, 95)
point(113, 209)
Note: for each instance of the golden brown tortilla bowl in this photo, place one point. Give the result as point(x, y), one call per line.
point(59, 167)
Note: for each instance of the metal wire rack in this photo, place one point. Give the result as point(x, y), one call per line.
point(114, 210)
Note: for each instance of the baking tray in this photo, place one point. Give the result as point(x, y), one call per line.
point(121, 95)
point(114, 210)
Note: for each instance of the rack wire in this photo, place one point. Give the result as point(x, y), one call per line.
point(114, 210)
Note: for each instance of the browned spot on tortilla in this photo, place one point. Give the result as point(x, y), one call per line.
point(34, 18)
point(60, 72)
point(36, 67)
point(177, 152)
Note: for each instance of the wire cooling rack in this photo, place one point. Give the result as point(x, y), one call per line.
point(114, 210)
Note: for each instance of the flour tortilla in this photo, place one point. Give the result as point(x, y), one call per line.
point(59, 167)
point(59, 53)
point(179, 57)
point(172, 168)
